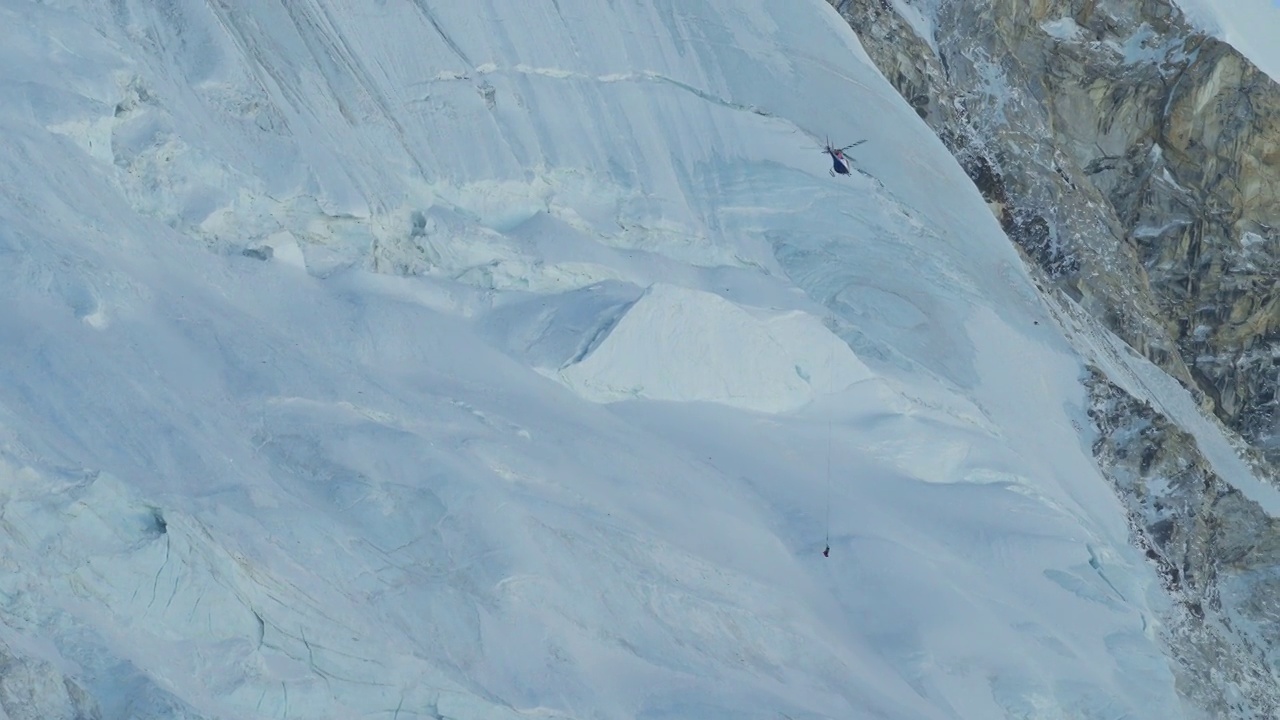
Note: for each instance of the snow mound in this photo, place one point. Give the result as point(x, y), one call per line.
point(709, 349)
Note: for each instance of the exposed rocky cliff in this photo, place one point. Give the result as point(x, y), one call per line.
point(1217, 553)
point(1133, 158)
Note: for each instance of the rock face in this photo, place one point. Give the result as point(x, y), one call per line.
point(1134, 159)
point(1216, 550)
point(33, 689)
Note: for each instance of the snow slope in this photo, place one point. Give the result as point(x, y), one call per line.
point(1250, 26)
point(534, 408)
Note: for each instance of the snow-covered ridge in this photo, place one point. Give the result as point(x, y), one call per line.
point(1251, 26)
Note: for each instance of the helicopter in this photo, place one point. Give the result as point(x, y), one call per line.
point(839, 163)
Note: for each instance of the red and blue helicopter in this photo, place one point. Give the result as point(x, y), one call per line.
point(839, 163)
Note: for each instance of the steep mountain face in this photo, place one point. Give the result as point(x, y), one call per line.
point(519, 360)
point(1136, 161)
point(1133, 158)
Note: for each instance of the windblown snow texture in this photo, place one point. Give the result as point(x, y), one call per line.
point(505, 360)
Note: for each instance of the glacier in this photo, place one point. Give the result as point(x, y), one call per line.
point(497, 360)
